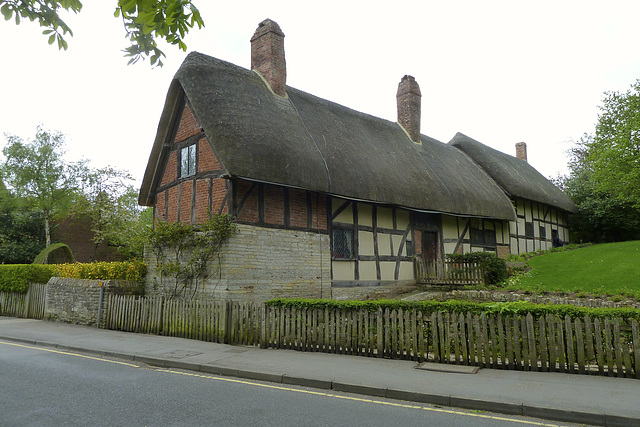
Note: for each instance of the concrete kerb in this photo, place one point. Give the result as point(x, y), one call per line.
point(435, 399)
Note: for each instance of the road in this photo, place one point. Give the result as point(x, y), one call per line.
point(41, 386)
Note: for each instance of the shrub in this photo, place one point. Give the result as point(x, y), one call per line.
point(56, 253)
point(133, 271)
point(495, 269)
point(520, 308)
point(16, 277)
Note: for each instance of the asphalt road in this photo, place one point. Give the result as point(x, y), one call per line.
point(48, 387)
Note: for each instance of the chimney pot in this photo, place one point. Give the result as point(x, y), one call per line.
point(409, 102)
point(521, 150)
point(267, 55)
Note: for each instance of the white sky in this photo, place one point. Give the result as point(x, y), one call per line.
point(498, 71)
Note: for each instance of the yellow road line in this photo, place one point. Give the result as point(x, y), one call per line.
point(357, 399)
point(277, 387)
point(66, 353)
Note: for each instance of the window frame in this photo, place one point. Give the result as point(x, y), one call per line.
point(190, 161)
point(336, 253)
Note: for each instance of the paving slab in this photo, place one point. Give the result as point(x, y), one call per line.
point(567, 397)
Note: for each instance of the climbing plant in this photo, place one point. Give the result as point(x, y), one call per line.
point(183, 252)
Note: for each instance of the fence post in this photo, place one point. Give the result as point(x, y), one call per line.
point(100, 299)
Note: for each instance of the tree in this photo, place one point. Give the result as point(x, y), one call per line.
point(144, 21)
point(603, 216)
point(112, 205)
point(613, 153)
point(38, 176)
point(21, 231)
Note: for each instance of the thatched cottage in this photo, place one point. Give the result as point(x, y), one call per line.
point(329, 199)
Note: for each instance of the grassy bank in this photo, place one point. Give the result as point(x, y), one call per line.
point(605, 269)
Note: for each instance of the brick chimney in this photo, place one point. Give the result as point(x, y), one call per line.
point(408, 98)
point(267, 55)
point(521, 150)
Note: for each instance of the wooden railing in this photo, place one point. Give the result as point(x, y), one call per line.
point(582, 345)
point(440, 272)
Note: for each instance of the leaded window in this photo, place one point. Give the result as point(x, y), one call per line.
point(343, 244)
point(188, 161)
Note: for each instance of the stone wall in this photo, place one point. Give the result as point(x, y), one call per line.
point(261, 263)
point(77, 300)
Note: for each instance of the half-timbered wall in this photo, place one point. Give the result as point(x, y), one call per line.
point(533, 228)
point(192, 187)
point(371, 244)
point(463, 235)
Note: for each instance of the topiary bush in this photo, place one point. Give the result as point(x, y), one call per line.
point(56, 253)
point(495, 268)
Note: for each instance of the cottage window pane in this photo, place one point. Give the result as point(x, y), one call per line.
point(343, 244)
point(188, 161)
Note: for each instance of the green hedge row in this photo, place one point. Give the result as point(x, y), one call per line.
point(463, 307)
point(16, 277)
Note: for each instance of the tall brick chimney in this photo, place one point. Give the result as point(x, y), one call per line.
point(521, 150)
point(408, 98)
point(267, 55)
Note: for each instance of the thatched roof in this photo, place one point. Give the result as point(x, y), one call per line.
point(517, 177)
point(307, 142)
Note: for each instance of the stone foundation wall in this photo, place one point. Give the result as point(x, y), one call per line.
point(260, 263)
point(78, 300)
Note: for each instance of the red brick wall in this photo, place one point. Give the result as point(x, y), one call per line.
point(186, 197)
point(218, 192)
point(202, 201)
point(170, 169)
point(188, 126)
point(319, 212)
point(172, 212)
point(273, 205)
point(298, 208)
point(249, 211)
point(207, 161)
point(75, 231)
point(160, 205)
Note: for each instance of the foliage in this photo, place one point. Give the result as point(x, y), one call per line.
point(21, 230)
point(144, 21)
point(520, 308)
point(56, 253)
point(16, 277)
point(183, 252)
point(112, 205)
point(608, 268)
point(495, 268)
point(133, 271)
point(603, 216)
point(614, 150)
point(37, 174)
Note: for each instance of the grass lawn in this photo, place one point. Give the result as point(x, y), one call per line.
point(609, 268)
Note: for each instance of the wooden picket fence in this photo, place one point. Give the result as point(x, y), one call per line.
point(447, 272)
point(586, 346)
point(29, 305)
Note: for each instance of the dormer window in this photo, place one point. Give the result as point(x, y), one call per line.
point(188, 161)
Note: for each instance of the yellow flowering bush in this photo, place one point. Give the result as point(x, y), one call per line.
point(133, 271)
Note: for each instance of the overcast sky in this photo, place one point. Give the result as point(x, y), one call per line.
point(498, 71)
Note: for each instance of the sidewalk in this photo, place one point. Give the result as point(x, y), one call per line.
point(584, 399)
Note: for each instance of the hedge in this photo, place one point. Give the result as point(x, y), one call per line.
point(16, 278)
point(521, 308)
